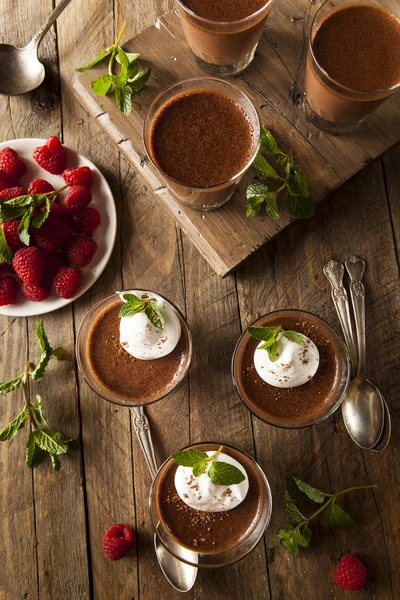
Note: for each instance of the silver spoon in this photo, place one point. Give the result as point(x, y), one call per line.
point(363, 408)
point(20, 69)
point(179, 574)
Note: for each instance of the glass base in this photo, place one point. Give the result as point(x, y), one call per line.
point(328, 126)
point(228, 70)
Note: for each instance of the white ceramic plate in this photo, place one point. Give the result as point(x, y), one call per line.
point(104, 235)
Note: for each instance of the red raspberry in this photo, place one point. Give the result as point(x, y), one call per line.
point(86, 220)
point(8, 290)
point(79, 176)
point(13, 192)
point(52, 234)
point(51, 156)
point(40, 186)
point(36, 292)
point(350, 574)
point(80, 250)
point(6, 181)
point(11, 163)
point(6, 269)
point(54, 260)
point(77, 198)
point(10, 229)
point(29, 264)
point(67, 281)
point(117, 541)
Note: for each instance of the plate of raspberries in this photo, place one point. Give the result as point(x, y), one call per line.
point(57, 226)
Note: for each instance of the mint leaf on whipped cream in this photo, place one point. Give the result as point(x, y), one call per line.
point(269, 335)
point(134, 305)
point(220, 473)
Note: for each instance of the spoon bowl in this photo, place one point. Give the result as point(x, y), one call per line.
point(386, 431)
point(362, 411)
point(179, 574)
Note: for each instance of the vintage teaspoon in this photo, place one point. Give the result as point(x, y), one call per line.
point(179, 574)
point(20, 69)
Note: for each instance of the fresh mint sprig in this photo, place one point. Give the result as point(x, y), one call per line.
point(290, 183)
point(220, 472)
point(297, 534)
point(134, 305)
point(269, 335)
point(129, 80)
point(41, 439)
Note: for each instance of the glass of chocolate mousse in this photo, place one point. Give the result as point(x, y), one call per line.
point(353, 62)
point(134, 347)
point(291, 369)
point(202, 134)
point(199, 515)
point(223, 35)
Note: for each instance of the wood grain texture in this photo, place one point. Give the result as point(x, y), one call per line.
point(226, 237)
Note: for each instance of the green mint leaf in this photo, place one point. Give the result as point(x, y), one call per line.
point(264, 169)
point(46, 352)
point(334, 516)
point(292, 511)
point(8, 432)
point(23, 228)
point(97, 60)
point(294, 337)
point(39, 219)
point(267, 344)
point(38, 411)
point(154, 315)
point(102, 85)
point(124, 62)
point(132, 57)
point(254, 206)
point(199, 468)
point(34, 454)
point(50, 441)
point(297, 182)
point(255, 194)
point(224, 473)
point(132, 306)
point(302, 536)
point(123, 98)
point(133, 69)
point(314, 494)
point(268, 142)
point(58, 353)
point(6, 254)
point(139, 81)
point(189, 458)
point(264, 334)
point(55, 462)
point(286, 536)
point(271, 206)
point(299, 207)
point(10, 386)
point(273, 351)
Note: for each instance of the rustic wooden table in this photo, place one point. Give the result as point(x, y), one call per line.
point(53, 523)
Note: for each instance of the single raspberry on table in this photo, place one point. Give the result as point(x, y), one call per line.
point(13, 192)
point(67, 281)
point(117, 541)
point(76, 198)
point(11, 164)
point(79, 176)
point(6, 181)
point(29, 264)
point(10, 229)
point(36, 292)
point(52, 234)
point(86, 221)
point(51, 156)
point(40, 186)
point(54, 260)
point(350, 574)
point(80, 250)
point(8, 290)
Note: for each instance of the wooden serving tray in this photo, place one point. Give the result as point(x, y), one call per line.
point(273, 81)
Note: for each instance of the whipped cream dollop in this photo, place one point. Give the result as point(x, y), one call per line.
point(295, 365)
point(140, 338)
point(202, 494)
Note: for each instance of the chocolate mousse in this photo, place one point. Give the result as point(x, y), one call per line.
point(224, 10)
point(358, 47)
point(124, 377)
point(303, 385)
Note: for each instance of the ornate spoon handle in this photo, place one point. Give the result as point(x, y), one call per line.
point(334, 271)
point(355, 267)
point(142, 430)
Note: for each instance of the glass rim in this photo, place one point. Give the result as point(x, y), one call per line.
point(328, 77)
point(81, 368)
point(310, 420)
point(267, 518)
point(199, 79)
point(224, 23)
